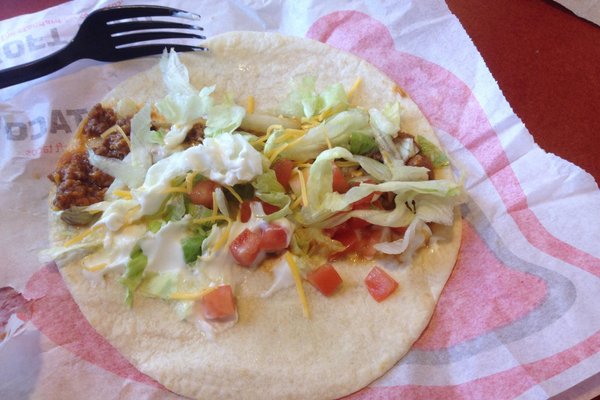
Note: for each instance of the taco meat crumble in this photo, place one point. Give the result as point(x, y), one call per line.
point(78, 183)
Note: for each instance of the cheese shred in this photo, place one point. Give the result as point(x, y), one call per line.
point(190, 296)
point(250, 105)
point(355, 86)
point(299, 288)
point(302, 187)
point(189, 181)
point(124, 194)
point(224, 236)
point(210, 219)
point(95, 268)
point(175, 189)
point(215, 204)
point(234, 193)
point(79, 237)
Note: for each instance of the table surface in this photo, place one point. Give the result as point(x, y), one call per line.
point(546, 61)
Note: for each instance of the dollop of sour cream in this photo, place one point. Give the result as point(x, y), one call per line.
point(227, 159)
point(163, 248)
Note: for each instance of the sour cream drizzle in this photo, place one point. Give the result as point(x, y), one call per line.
point(227, 159)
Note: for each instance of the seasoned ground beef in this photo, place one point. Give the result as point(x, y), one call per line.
point(195, 135)
point(113, 146)
point(99, 120)
point(78, 183)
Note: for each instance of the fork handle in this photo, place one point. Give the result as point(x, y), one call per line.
point(37, 68)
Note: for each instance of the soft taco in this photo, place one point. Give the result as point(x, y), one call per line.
point(271, 219)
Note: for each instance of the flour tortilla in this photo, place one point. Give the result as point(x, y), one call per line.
point(273, 351)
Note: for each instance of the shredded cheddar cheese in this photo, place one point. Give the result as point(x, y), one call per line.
point(325, 114)
point(113, 129)
point(191, 295)
point(108, 131)
point(124, 194)
point(189, 181)
point(175, 189)
point(355, 86)
point(250, 105)
point(234, 193)
point(298, 281)
point(296, 203)
point(95, 268)
point(278, 150)
point(304, 195)
point(79, 237)
point(224, 236)
point(210, 219)
point(215, 205)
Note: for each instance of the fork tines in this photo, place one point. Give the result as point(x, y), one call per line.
point(129, 33)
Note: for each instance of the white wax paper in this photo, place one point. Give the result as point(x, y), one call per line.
point(518, 318)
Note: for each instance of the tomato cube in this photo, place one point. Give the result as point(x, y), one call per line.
point(218, 304)
point(380, 284)
point(325, 278)
point(202, 193)
point(283, 171)
point(274, 238)
point(340, 184)
point(245, 247)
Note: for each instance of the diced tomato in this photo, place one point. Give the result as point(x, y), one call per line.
point(349, 238)
point(245, 211)
point(218, 304)
point(325, 278)
point(202, 193)
point(269, 208)
point(368, 202)
point(380, 284)
point(245, 247)
point(357, 223)
point(340, 184)
point(283, 171)
point(273, 238)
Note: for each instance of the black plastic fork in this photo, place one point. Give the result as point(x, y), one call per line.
point(109, 34)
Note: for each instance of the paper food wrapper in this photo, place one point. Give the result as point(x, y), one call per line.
point(588, 9)
point(519, 316)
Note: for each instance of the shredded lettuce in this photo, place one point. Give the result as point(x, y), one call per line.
point(134, 271)
point(431, 151)
point(64, 255)
point(175, 74)
point(160, 285)
point(313, 242)
point(362, 144)
point(175, 208)
point(223, 118)
point(323, 202)
point(406, 148)
point(269, 190)
point(192, 246)
point(304, 101)
point(197, 211)
point(335, 130)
